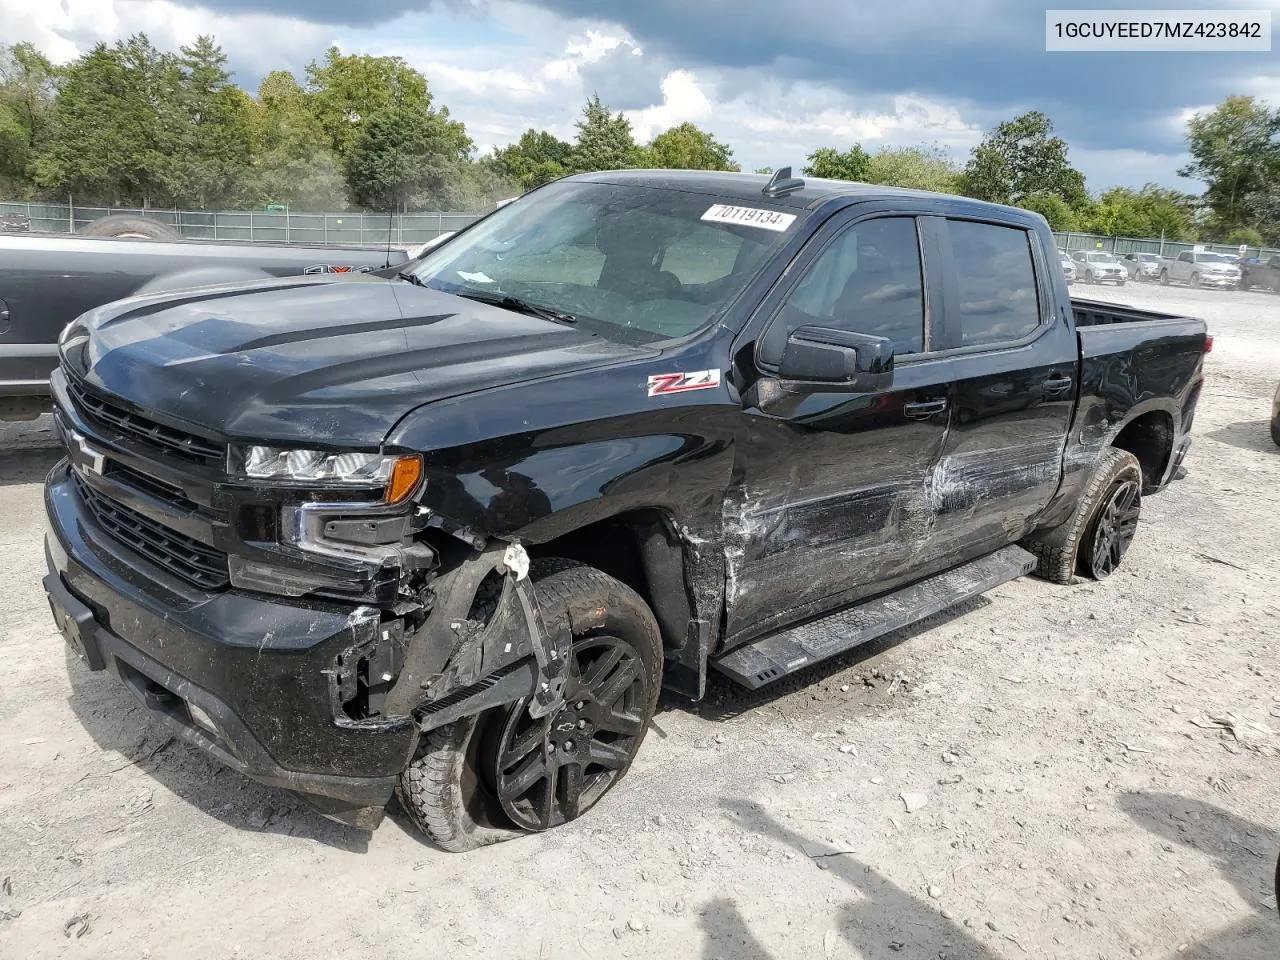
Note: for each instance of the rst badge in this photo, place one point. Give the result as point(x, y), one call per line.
point(661, 384)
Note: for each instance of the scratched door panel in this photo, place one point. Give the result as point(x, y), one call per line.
point(831, 502)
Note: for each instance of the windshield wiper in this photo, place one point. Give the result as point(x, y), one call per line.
point(508, 302)
point(412, 278)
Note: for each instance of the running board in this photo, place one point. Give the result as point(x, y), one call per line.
point(755, 664)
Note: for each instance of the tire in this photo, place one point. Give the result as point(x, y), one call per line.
point(1066, 550)
point(1089, 278)
point(1275, 431)
point(452, 789)
point(1164, 278)
point(1195, 281)
point(128, 227)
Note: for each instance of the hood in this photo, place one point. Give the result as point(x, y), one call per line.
point(332, 361)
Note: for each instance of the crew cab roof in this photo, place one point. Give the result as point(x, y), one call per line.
point(748, 186)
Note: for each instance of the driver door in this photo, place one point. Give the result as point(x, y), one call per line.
point(833, 497)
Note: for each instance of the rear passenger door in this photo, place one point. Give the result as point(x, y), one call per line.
point(1012, 360)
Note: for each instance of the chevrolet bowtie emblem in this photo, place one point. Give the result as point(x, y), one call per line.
point(93, 457)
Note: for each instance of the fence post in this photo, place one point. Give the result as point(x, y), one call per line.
point(251, 239)
point(71, 214)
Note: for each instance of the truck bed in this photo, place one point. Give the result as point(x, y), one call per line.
point(1094, 313)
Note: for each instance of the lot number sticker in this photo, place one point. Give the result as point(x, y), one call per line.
point(750, 217)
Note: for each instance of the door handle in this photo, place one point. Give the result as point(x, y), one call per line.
point(924, 409)
point(1057, 384)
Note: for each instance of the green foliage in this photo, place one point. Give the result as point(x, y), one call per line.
point(686, 147)
point(923, 167)
point(538, 157)
point(27, 90)
point(1245, 235)
point(830, 164)
point(348, 90)
point(407, 152)
point(116, 123)
point(292, 165)
point(1235, 150)
point(1020, 158)
point(1150, 212)
point(604, 140)
point(1054, 209)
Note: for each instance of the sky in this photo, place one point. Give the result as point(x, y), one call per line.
point(773, 79)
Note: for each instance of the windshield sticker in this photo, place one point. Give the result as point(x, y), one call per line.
point(475, 277)
point(749, 217)
point(660, 384)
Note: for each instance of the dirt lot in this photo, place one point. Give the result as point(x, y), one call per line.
point(1080, 803)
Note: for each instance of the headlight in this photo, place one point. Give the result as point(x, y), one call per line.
point(399, 475)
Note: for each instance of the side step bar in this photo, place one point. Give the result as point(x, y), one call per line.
point(759, 663)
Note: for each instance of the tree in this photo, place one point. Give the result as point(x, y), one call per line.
point(1054, 209)
point(924, 167)
point(1235, 150)
point(538, 157)
point(27, 90)
point(347, 90)
point(604, 140)
point(214, 144)
point(686, 147)
point(292, 161)
point(1246, 235)
point(405, 153)
point(1020, 158)
point(115, 125)
point(829, 163)
point(1150, 212)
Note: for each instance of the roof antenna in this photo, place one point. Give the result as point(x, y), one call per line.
point(782, 183)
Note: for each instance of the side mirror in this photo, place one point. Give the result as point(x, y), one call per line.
point(826, 360)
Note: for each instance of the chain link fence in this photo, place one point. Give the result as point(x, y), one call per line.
point(1165, 248)
point(354, 229)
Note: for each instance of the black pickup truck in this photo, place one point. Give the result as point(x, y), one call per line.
point(1262, 275)
point(47, 281)
point(447, 533)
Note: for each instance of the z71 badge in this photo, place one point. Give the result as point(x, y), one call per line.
point(661, 384)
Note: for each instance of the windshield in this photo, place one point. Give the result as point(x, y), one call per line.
point(1214, 258)
point(1102, 258)
point(631, 263)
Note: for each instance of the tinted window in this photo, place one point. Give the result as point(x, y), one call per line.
point(867, 281)
point(998, 299)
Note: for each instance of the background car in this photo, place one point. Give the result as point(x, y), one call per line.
point(1068, 266)
point(1098, 266)
point(1199, 268)
point(1261, 275)
point(1141, 266)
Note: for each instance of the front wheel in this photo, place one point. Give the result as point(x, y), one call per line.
point(1164, 278)
point(492, 777)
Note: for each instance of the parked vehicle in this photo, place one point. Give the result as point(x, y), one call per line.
point(1261, 275)
point(47, 281)
point(1200, 269)
point(1275, 417)
point(1141, 266)
point(447, 533)
point(1097, 266)
point(1068, 267)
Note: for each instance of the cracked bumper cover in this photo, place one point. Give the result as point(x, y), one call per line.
point(260, 669)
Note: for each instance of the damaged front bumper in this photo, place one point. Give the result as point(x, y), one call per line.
point(266, 685)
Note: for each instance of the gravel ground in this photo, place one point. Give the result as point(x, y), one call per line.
point(1079, 802)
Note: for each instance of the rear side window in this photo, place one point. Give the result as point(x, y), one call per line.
point(998, 297)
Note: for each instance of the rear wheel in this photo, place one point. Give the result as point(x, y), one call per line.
point(1094, 540)
point(126, 227)
point(491, 777)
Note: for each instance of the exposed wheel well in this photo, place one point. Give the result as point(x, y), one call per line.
point(641, 549)
point(1150, 439)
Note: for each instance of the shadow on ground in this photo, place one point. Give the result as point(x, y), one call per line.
point(28, 465)
point(1244, 852)
point(1247, 435)
point(116, 721)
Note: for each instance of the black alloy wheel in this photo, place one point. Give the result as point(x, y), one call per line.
point(1115, 527)
point(551, 770)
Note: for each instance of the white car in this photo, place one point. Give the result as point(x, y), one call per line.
point(1068, 266)
point(1098, 266)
